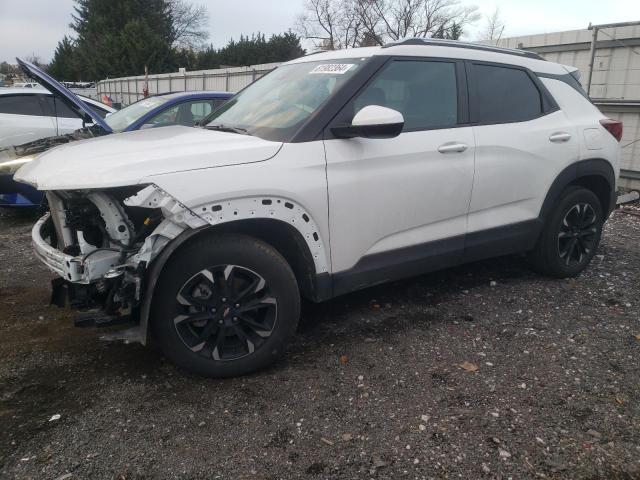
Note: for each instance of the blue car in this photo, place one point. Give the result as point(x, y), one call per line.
point(181, 108)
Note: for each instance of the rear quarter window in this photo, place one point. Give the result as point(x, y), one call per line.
point(504, 95)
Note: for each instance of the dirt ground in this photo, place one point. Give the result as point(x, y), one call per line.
point(483, 371)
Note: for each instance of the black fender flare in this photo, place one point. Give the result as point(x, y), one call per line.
point(153, 274)
point(583, 168)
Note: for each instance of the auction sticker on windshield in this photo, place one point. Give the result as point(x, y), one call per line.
point(332, 68)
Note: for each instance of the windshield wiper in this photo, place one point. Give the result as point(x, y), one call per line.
point(225, 128)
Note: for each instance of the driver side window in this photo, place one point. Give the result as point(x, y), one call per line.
point(425, 92)
point(165, 118)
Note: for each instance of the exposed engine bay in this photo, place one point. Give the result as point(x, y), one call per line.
point(100, 243)
point(43, 144)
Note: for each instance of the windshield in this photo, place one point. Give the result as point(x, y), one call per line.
point(121, 119)
point(278, 104)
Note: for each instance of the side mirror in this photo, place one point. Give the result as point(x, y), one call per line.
point(372, 121)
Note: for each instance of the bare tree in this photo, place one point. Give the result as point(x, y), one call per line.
point(188, 24)
point(349, 23)
point(36, 60)
point(330, 24)
point(493, 29)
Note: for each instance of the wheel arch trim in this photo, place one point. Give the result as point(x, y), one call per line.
point(236, 211)
point(592, 167)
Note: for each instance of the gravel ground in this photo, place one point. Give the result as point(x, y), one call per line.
point(483, 371)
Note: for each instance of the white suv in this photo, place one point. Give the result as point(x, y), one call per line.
point(337, 171)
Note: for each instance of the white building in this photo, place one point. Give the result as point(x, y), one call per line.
point(615, 82)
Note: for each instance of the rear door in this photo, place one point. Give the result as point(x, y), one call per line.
point(395, 202)
point(523, 140)
point(23, 118)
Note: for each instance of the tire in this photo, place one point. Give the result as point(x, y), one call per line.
point(570, 236)
point(225, 306)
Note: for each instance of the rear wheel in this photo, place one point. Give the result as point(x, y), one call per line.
point(226, 306)
point(571, 234)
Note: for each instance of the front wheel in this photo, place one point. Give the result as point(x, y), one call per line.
point(225, 306)
point(571, 234)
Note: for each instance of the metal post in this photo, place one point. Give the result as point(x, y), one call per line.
point(204, 82)
point(226, 81)
point(592, 56)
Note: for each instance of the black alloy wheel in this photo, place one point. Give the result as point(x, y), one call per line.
point(578, 234)
point(225, 304)
point(225, 312)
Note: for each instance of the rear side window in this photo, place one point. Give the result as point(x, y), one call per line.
point(425, 92)
point(504, 95)
point(21, 105)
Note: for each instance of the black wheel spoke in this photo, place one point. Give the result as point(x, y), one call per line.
point(243, 338)
point(208, 330)
point(257, 304)
point(190, 300)
point(219, 343)
point(192, 317)
point(260, 330)
point(253, 287)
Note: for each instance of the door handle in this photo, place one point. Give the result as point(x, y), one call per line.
point(560, 137)
point(453, 147)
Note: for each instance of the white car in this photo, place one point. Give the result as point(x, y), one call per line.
point(28, 114)
point(334, 172)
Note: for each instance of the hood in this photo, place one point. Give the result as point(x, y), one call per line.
point(131, 158)
point(63, 93)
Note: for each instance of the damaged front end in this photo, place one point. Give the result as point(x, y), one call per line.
point(100, 243)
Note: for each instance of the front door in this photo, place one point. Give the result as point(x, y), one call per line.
point(398, 205)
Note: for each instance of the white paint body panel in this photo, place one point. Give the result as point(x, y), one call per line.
point(19, 129)
point(393, 193)
point(296, 175)
point(586, 117)
point(516, 163)
point(130, 158)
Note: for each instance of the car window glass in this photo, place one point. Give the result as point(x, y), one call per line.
point(59, 109)
point(279, 103)
point(200, 110)
point(505, 95)
point(21, 105)
point(424, 92)
point(122, 119)
point(218, 102)
point(164, 118)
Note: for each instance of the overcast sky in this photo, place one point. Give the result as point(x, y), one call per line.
point(34, 26)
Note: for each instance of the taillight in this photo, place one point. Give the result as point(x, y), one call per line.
point(614, 127)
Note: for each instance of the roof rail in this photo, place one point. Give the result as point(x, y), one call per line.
point(439, 42)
